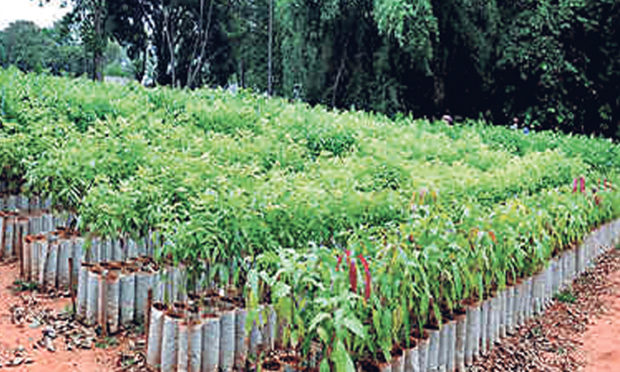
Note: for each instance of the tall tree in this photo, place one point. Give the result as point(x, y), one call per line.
point(24, 45)
point(90, 16)
point(553, 64)
point(31, 48)
point(270, 51)
point(183, 37)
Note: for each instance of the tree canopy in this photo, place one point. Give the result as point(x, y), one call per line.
point(549, 63)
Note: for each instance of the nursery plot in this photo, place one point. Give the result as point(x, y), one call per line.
point(361, 234)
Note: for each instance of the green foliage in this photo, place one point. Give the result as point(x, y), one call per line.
point(411, 22)
point(117, 62)
point(336, 143)
point(357, 229)
point(564, 53)
point(30, 48)
point(23, 286)
point(24, 45)
point(549, 64)
point(566, 296)
point(107, 342)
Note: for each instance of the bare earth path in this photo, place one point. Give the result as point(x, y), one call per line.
point(17, 341)
point(601, 342)
point(581, 333)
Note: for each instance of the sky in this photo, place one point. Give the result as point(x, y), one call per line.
point(13, 10)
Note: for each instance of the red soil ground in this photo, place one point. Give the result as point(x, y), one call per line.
point(578, 335)
point(601, 342)
point(14, 336)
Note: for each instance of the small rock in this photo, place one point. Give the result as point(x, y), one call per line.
point(49, 332)
point(49, 345)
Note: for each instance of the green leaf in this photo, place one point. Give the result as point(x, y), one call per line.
point(281, 289)
point(354, 325)
point(318, 319)
point(324, 367)
point(342, 360)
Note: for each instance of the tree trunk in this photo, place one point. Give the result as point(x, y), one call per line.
point(340, 72)
point(439, 93)
point(241, 74)
point(270, 51)
point(192, 74)
point(168, 35)
point(98, 50)
point(142, 71)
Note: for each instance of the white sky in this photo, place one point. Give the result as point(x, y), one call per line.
point(13, 10)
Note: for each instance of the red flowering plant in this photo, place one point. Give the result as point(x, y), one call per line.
point(353, 272)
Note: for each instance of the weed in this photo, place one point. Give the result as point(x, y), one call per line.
point(24, 286)
point(106, 342)
point(566, 296)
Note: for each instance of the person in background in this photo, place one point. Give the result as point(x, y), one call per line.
point(447, 119)
point(515, 123)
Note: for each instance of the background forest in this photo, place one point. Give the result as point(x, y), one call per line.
point(553, 64)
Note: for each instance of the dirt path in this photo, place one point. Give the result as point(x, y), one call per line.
point(18, 341)
point(601, 342)
point(579, 333)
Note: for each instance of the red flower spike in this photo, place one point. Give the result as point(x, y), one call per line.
point(353, 277)
point(348, 253)
point(492, 235)
point(367, 277)
point(582, 185)
point(574, 185)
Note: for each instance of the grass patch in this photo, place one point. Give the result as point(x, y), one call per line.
point(566, 296)
point(23, 286)
point(68, 309)
point(106, 342)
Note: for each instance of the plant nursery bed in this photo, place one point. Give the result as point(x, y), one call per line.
point(336, 234)
point(578, 332)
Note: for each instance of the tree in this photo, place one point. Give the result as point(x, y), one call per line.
point(24, 45)
point(91, 17)
point(249, 40)
point(182, 37)
point(553, 64)
point(566, 57)
point(65, 54)
point(270, 51)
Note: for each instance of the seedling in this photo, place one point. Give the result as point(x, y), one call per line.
point(106, 342)
point(566, 296)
